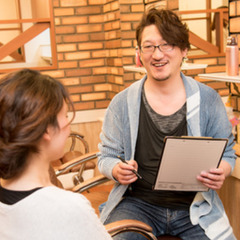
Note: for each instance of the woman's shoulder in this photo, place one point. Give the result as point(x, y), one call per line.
point(54, 200)
point(58, 195)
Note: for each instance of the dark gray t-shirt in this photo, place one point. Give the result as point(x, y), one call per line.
point(153, 127)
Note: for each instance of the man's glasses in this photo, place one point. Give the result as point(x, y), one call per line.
point(165, 47)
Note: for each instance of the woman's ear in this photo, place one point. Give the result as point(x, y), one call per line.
point(48, 134)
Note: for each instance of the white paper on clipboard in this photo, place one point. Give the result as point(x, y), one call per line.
point(183, 158)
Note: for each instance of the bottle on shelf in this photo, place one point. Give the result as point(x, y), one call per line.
point(232, 56)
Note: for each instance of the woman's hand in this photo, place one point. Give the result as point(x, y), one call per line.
point(122, 172)
point(215, 178)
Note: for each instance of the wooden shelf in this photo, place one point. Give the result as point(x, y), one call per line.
point(222, 77)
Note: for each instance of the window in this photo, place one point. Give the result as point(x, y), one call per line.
point(27, 35)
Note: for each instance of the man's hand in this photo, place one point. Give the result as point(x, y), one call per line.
point(215, 178)
point(122, 172)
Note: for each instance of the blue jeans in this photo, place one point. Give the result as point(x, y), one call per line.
point(162, 220)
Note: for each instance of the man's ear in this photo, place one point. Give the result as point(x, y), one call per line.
point(184, 52)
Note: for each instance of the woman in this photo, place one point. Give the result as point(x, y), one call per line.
point(33, 131)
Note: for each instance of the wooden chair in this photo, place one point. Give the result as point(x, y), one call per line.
point(129, 225)
point(77, 146)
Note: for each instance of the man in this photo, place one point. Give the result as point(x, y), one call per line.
point(163, 103)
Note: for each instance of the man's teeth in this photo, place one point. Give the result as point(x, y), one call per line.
point(159, 64)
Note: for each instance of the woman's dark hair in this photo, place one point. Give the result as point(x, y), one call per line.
point(169, 25)
point(29, 103)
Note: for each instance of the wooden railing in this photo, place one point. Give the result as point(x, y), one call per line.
point(212, 50)
point(38, 27)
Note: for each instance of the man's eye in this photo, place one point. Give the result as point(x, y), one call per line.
point(149, 46)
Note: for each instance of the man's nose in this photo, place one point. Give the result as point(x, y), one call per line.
point(157, 53)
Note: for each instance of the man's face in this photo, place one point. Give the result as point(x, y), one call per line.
point(160, 65)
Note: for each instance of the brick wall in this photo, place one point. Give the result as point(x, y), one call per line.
point(96, 38)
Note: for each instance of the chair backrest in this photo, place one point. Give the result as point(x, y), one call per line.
point(129, 225)
point(76, 146)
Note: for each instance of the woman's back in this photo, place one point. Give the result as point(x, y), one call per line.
point(51, 213)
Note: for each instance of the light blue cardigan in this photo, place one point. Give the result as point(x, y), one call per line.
point(206, 116)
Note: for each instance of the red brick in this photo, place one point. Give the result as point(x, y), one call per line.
point(66, 47)
point(60, 56)
point(57, 21)
point(96, 2)
point(74, 20)
point(75, 98)
point(89, 10)
point(128, 60)
point(131, 17)
point(113, 44)
point(128, 76)
point(92, 79)
point(89, 28)
point(92, 63)
point(93, 96)
point(125, 8)
point(73, 3)
point(70, 81)
point(128, 35)
point(132, 1)
point(97, 36)
point(102, 104)
point(77, 55)
point(84, 106)
point(137, 8)
point(65, 29)
point(100, 53)
point(126, 26)
point(90, 45)
point(212, 69)
point(217, 85)
point(223, 92)
point(106, 8)
point(96, 19)
point(58, 39)
point(78, 72)
point(80, 89)
point(62, 65)
point(63, 11)
point(102, 70)
point(76, 38)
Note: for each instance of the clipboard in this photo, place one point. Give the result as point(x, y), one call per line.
point(183, 158)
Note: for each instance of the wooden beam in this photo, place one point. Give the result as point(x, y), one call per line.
point(202, 44)
point(15, 55)
point(23, 38)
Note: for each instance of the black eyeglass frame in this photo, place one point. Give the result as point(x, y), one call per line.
point(160, 48)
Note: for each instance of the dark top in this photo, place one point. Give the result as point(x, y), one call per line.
point(11, 197)
point(151, 132)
